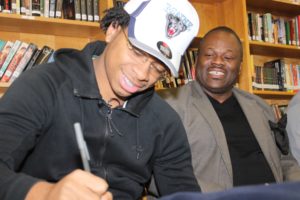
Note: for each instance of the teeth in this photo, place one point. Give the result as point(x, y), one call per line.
point(128, 82)
point(216, 73)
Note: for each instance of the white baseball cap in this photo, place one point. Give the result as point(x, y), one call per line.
point(162, 28)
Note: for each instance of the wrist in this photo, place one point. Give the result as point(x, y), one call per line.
point(39, 191)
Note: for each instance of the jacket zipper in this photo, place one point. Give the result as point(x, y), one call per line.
point(108, 131)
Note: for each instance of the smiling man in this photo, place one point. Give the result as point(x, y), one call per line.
point(108, 87)
point(228, 129)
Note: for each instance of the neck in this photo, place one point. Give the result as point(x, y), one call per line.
point(113, 102)
point(103, 84)
point(220, 97)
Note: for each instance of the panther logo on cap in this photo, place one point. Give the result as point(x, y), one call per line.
point(174, 26)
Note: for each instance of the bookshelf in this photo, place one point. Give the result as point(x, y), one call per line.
point(263, 51)
point(58, 33)
point(54, 32)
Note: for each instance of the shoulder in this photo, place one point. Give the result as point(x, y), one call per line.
point(179, 95)
point(161, 108)
point(251, 97)
point(295, 100)
point(254, 102)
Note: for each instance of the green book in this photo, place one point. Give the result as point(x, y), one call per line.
point(287, 32)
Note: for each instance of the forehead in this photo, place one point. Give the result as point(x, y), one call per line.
point(221, 40)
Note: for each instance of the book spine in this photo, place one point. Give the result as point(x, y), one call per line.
point(23, 7)
point(24, 61)
point(58, 8)
point(266, 28)
point(77, 9)
point(276, 30)
point(28, 7)
point(36, 8)
point(6, 6)
point(13, 6)
point(68, 9)
point(255, 26)
point(89, 9)
point(43, 56)
point(46, 8)
point(96, 10)
point(298, 27)
point(5, 51)
point(42, 7)
point(52, 8)
point(14, 62)
point(250, 32)
point(296, 31)
point(9, 57)
point(119, 3)
point(33, 60)
point(83, 10)
point(188, 67)
point(292, 32)
point(270, 27)
point(287, 32)
point(2, 44)
point(18, 8)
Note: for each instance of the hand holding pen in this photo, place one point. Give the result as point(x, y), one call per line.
point(78, 184)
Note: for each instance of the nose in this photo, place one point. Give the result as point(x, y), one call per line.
point(217, 60)
point(141, 71)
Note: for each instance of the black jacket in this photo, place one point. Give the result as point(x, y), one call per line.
point(37, 139)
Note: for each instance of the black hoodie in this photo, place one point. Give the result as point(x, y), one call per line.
point(126, 144)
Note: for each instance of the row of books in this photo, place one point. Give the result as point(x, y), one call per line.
point(279, 110)
point(85, 10)
point(293, 1)
point(119, 3)
point(18, 56)
point(186, 71)
point(277, 75)
point(273, 29)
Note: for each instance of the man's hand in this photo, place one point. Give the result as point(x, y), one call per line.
point(76, 185)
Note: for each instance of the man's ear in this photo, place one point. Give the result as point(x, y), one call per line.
point(111, 32)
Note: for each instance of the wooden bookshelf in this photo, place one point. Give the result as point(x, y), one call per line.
point(278, 50)
point(275, 97)
point(263, 51)
point(58, 33)
point(281, 7)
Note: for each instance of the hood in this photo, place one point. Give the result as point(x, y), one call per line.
point(77, 62)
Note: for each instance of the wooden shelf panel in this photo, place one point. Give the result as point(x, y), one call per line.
point(274, 50)
point(275, 97)
point(275, 94)
point(3, 88)
point(49, 26)
point(281, 7)
point(206, 1)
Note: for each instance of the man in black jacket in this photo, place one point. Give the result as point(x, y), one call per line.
point(108, 88)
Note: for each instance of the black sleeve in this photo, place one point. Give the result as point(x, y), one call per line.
point(23, 110)
point(173, 171)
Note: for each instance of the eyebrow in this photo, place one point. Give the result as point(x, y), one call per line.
point(214, 49)
point(156, 60)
